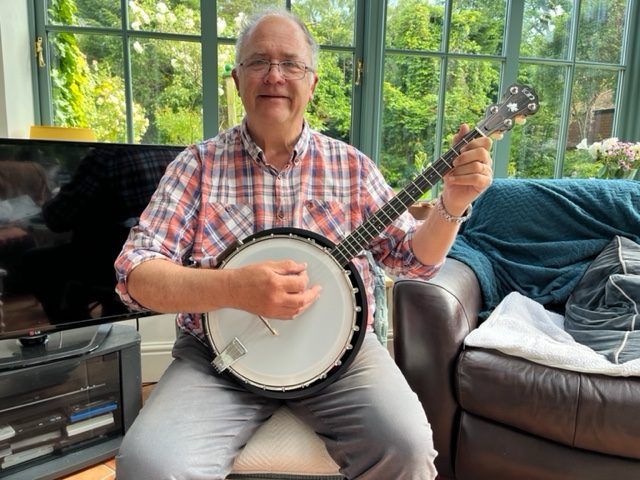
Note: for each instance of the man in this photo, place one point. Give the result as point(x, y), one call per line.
point(274, 171)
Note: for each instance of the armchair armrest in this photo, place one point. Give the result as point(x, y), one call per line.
point(431, 319)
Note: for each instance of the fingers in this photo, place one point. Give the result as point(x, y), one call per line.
point(274, 289)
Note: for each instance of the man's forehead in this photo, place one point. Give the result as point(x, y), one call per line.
point(278, 35)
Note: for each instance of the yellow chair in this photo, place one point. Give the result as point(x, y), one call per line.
point(50, 132)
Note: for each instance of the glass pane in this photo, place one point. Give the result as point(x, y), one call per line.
point(477, 27)
point(410, 99)
point(602, 24)
point(471, 87)
point(167, 91)
point(330, 110)
point(232, 13)
point(230, 109)
point(546, 29)
point(87, 84)
point(330, 21)
point(415, 24)
point(534, 144)
point(96, 13)
point(592, 112)
point(173, 16)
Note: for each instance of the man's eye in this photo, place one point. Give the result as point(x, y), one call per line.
point(256, 64)
point(291, 65)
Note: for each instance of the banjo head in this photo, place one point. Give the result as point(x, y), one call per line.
point(309, 351)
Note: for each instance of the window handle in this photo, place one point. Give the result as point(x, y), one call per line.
point(359, 70)
point(39, 51)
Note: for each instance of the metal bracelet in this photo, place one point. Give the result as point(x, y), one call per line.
point(442, 211)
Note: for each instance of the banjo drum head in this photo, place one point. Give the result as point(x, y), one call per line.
point(306, 348)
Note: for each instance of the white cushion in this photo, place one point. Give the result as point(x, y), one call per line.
point(285, 445)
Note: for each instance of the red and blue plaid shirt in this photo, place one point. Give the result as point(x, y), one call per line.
point(222, 190)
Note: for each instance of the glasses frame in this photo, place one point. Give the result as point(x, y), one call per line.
point(267, 65)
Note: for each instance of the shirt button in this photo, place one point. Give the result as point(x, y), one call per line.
point(280, 214)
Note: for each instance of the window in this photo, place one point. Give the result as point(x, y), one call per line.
point(396, 77)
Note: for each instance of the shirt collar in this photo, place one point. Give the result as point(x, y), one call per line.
point(256, 152)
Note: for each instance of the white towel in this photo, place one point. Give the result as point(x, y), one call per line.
point(523, 328)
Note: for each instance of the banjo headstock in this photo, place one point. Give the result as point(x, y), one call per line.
point(518, 102)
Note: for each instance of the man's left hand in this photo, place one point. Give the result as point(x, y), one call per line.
point(471, 175)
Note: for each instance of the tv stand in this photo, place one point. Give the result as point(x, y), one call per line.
point(29, 351)
point(66, 411)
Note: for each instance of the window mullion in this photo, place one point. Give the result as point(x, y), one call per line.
point(627, 126)
point(42, 80)
point(209, 45)
point(366, 130)
point(126, 57)
point(513, 38)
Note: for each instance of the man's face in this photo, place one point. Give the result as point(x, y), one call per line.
point(271, 98)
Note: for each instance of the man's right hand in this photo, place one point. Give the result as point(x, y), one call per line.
point(273, 289)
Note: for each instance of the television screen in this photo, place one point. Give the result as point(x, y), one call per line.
point(66, 208)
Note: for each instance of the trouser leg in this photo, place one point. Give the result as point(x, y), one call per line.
point(372, 423)
point(193, 424)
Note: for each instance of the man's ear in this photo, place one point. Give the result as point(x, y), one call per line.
point(314, 82)
point(234, 74)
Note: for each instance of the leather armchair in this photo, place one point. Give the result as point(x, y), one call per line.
point(499, 417)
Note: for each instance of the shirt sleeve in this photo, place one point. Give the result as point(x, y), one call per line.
point(393, 248)
point(167, 226)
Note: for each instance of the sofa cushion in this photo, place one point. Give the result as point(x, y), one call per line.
point(603, 311)
point(589, 411)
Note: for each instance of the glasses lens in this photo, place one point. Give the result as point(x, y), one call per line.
point(292, 70)
point(289, 69)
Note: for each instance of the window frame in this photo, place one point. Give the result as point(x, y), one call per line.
point(369, 48)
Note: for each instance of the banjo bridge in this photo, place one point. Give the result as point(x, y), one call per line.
point(229, 355)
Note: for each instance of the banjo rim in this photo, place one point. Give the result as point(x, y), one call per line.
point(332, 372)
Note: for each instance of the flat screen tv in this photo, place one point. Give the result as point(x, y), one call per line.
point(66, 209)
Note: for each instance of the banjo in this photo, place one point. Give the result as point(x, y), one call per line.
point(289, 359)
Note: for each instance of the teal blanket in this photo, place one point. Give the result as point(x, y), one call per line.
point(537, 237)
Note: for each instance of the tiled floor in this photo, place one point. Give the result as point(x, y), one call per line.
point(105, 470)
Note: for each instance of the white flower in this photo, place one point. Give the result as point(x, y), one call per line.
point(222, 24)
point(162, 7)
point(609, 142)
point(136, 25)
point(138, 47)
point(594, 149)
point(582, 145)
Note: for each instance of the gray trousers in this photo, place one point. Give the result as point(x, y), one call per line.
point(195, 422)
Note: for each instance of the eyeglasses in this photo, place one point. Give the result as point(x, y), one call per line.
point(289, 69)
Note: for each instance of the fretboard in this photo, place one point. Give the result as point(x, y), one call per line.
point(357, 240)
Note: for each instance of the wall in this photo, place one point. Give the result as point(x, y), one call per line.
point(16, 94)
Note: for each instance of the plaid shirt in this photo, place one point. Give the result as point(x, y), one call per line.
point(222, 190)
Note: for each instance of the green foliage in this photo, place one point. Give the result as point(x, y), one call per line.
point(106, 109)
point(69, 77)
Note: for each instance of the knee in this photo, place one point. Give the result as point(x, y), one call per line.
point(413, 450)
point(153, 459)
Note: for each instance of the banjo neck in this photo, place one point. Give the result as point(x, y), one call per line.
point(518, 102)
point(357, 240)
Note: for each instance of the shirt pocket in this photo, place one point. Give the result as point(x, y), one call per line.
point(225, 224)
point(328, 218)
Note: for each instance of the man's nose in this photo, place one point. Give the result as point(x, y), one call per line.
point(274, 74)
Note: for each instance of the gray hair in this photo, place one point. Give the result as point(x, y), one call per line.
point(249, 25)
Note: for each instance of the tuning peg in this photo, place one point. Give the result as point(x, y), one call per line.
point(521, 119)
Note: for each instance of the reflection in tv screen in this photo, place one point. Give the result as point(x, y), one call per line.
point(66, 209)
